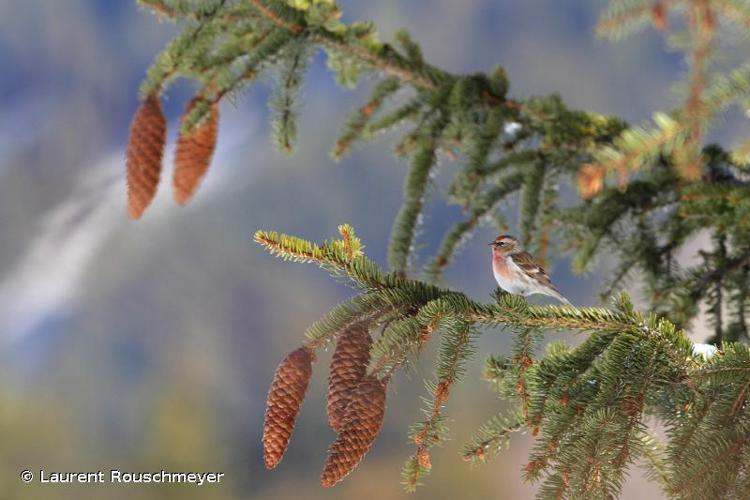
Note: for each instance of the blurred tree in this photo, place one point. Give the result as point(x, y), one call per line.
point(586, 405)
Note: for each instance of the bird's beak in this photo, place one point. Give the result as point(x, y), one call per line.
point(491, 243)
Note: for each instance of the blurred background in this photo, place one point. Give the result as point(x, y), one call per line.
point(150, 345)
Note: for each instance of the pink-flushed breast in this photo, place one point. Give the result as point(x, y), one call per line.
point(500, 267)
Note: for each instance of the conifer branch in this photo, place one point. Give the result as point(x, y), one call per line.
point(391, 64)
point(359, 120)
point(285, 102)
point(489, 439)
point(276, 18)
point(587, 405)
point(633, 361)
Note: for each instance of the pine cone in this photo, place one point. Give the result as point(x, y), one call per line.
point(193, 155)
point(284, 400)
point(148, 134)
point(348, 367)
point(360, 426)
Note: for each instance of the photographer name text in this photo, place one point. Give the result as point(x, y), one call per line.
point(115, 476)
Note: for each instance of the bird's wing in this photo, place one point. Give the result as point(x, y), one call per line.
point(526, 262)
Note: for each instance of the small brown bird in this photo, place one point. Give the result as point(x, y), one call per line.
point(517, 272)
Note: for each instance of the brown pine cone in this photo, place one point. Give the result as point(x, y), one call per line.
point(284, 401)
point(348, 367)
point(193, 155)
point(361, 425)
point(148, 134)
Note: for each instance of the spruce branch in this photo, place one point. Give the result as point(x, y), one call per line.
point(625, 17)
point(588, 401)
point(356, 124)
point(654, 457)
point(407, 221)
point(456, 346)
point(491, 438)
point(225, 55)
point(587, 405)
point(274, 15)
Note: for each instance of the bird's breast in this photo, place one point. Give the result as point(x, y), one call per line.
point(500, 268)
point(505, 276)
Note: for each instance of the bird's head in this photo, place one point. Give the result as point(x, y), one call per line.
point(505, 245)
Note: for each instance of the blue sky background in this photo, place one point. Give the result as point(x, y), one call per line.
point(151, 344)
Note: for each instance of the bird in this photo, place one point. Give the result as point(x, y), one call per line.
point(518, 273)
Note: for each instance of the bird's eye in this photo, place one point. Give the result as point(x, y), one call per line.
point(501, 243)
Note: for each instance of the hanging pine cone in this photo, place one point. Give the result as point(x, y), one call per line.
point(194, 150)
point(148, 134)
point(360, 426)
point(284, 400)
point(348, 367)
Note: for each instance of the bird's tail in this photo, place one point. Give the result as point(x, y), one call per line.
point(556, 294)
